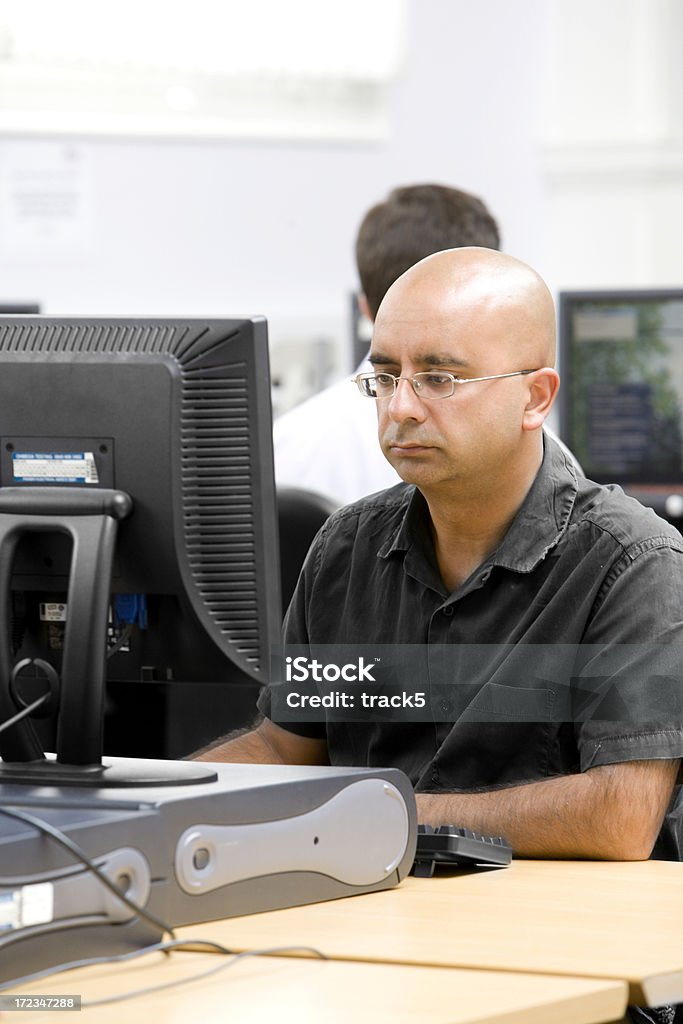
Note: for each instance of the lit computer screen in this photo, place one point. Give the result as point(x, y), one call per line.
point(175, 414)
point(621, 401)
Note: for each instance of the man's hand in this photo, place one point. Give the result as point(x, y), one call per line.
point(612, 812)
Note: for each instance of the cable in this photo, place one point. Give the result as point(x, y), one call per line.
point(17, 621)
point(179, 945)
point(126, 634)
point(185, 945)
point(60, 837)
point(24, 712)
point(272, 951)
point(111, 958)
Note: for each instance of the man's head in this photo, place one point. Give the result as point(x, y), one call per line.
point(412, 223)
point(471, 312)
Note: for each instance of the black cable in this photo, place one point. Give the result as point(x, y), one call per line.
point(121, 642)
point(17, 621)
point(60, 837)
point(24, 712)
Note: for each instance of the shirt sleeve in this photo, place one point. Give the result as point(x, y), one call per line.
point(632, 660)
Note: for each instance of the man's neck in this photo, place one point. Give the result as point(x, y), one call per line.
point(467, 528)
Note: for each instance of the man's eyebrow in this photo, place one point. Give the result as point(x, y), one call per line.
point(428, 359)
point(377, 359)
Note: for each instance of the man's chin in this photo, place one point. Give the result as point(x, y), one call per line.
point(413, 472)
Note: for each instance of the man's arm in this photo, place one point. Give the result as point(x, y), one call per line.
point(612, 812)
point(266, 743)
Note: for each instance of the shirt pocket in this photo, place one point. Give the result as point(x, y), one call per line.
point(496, 702)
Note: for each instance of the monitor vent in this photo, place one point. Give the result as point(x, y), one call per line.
point(219, 526)
point(53, 335)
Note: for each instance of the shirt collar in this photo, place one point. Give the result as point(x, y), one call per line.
point(537, 528)
point(413, 525)
point(544, 515)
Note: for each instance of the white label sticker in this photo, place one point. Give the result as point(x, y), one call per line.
point(54, 467)
point(52, 611)
point(37, 903)
point(26, 906)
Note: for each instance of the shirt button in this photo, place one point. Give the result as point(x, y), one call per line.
point(448, 610)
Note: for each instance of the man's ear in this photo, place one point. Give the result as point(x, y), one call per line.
point(543, 385)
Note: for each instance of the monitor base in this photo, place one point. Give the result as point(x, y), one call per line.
point(126, 773)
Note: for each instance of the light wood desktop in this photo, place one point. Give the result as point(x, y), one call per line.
point(298, 991)
point(622, 921)
point(539, 942)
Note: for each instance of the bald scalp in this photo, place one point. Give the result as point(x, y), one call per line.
point(489, 292)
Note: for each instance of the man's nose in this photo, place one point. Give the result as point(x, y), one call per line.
point(404, 404)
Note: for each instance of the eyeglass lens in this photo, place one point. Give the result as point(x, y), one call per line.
point(427, 385)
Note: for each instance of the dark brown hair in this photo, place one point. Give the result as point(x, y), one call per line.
point(413, 222)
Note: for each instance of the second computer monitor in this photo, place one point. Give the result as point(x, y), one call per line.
point(621, 402)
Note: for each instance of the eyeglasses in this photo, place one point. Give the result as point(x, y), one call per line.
point(430, 384)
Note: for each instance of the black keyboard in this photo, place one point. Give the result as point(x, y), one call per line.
point(459, 847)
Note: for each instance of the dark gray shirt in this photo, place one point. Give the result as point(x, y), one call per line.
point(583, 572)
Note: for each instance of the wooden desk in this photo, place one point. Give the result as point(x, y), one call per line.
point(589, 919)
point(303, 991)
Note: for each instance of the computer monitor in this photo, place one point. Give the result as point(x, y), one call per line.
point(138, 527)
point(621, 401)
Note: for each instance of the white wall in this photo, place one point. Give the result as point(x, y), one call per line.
point(612, 152)
point(489, 100)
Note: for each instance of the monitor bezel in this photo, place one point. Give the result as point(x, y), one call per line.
point(567, 301)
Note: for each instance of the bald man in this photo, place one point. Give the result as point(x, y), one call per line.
point(488, 580)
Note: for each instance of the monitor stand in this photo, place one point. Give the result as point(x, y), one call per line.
point(90, 518)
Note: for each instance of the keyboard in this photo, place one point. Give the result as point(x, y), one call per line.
point(457, 847)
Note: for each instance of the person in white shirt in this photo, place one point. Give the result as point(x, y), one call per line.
point(328, 443)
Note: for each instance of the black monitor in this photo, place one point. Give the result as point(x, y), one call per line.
point(139, 568)
point(621, 401)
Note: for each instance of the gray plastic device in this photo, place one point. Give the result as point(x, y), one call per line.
point(259, 838)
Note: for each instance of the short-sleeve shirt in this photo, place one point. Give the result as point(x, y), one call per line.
point(583, 567)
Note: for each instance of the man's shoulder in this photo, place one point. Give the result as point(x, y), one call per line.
point(370, 520)
point(356, 533)
point(385, 506)
point(608, 509)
